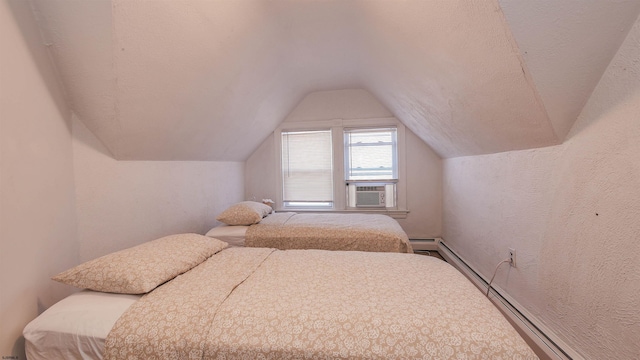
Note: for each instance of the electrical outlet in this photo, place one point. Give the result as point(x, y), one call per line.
point(512, 257)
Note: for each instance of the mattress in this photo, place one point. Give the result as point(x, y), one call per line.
point(234, 235)
point(76, 327)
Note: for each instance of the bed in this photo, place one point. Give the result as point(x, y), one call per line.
point(254, 225)
point(249, 303)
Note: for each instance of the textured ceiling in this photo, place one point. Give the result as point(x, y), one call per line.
point(210, 80)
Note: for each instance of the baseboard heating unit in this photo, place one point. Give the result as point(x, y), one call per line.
point(542, 340)
point(425, 244)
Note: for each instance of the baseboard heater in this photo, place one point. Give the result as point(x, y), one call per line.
point(544, 342)
point(424, 244)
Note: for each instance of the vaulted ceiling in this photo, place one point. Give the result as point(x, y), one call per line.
point(211, 79)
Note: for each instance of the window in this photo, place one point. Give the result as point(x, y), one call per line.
point(342, 165)
point(371, 167)
point(307, 169)
point(371, 154)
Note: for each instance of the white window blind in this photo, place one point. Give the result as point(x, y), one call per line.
point(307, 168)
point(371, 154)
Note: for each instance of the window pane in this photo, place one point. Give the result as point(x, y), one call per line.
point(307, 168)
point(371, 154)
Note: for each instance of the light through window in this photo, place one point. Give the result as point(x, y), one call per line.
point(371, 154)
point(307, 169)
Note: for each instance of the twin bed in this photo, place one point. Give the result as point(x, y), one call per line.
point(190, 296)
point(355, 232)
point(253, 224)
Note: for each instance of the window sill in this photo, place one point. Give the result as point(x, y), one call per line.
point(396, 214)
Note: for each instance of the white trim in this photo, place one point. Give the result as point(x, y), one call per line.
point(545, 343)
point(308, 125)
point(277, 140)
point(401, 189)
point(339, 193)
point(373, 122)
point(396, 214)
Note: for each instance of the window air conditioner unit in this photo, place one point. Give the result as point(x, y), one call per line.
point(370, 196)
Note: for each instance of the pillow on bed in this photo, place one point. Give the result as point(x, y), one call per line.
point(142, 268)
point(244, 213)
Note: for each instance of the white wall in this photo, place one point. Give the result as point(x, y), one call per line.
point(124, 203)
point(338, 104)
point(424, 167)
point(424, 190)
point(54, 216)
point(37, 221)
point(572, 212)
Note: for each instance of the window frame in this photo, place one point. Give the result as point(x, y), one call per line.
point(337, 127)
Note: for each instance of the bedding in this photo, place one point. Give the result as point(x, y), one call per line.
point(77, 326)
point(139, 269)
point(246, 303)
point(244, 213)
point(232, 235)
point(359, 232)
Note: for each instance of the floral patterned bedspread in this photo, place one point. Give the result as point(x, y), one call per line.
point(356, 232)
point(256, 303)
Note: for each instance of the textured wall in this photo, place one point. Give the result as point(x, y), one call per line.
point(566, 46)
point(573, 214)
point(37, 219)
point(424, 167)
point(185, 80)
point(124, 203)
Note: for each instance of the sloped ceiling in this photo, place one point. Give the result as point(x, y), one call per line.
point(211, 79)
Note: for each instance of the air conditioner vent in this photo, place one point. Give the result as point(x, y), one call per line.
point(370, 196)
point(369, 188)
